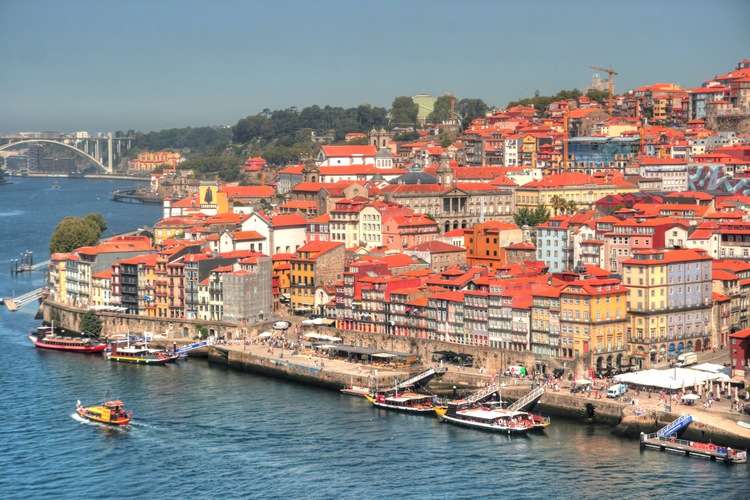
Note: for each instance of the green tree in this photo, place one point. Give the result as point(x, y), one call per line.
point(97, 219)
point(72, 233)
point(532, 217)
point(600, 96)
point(404, 110)
point(470, 109)
point(558, 204)
point(91, 324)
point(248, 129)
point(571, 207)
point(441, 111)
point(407, 136)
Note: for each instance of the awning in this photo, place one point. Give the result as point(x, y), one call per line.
point(383, 355)
point(313, 335)
point(583, 381)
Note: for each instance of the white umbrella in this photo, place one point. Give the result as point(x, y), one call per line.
point(265, 335)
point(583, 381)
point(691, 396)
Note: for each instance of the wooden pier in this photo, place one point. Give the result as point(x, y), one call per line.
point(708, 451)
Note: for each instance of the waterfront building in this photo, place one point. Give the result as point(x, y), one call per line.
point(249, 277)
point(546, 339)
point(593, 312)
point(101, 288)
point(720, 323)
point(737, 289)
point(165, 276)
point(95, 259)
point(314, 263)
point(670, 303)
point(739, 343)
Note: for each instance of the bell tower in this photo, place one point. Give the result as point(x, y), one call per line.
point(444, 172)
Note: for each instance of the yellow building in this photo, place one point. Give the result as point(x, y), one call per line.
point(594, 311)
point(146, 161)
point(101, 288)
point(578, 187)
point(670, 303)
point(316, 263)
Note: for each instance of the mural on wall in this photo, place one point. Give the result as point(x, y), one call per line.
point(712, 178)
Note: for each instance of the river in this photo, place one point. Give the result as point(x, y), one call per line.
point(200, 431)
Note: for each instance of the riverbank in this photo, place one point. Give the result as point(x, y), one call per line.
point(716, 424)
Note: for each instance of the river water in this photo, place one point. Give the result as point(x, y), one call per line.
point(201, 431)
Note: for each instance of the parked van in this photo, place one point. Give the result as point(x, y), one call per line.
point(281, 325)
point(687, 359)
point(617, 390)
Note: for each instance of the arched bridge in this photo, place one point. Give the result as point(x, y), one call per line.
point(90, 147)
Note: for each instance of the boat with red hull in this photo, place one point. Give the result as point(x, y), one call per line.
point(45, 338)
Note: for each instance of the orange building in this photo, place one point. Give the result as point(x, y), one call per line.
point(485, 243)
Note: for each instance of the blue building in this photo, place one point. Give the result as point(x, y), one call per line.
point(589, 154)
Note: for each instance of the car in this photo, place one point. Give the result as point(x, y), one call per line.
point(281, 325)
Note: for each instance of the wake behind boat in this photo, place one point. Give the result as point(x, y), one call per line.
point(111, 412)
point(45, 337)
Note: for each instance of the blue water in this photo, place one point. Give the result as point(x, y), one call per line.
point(200, 431)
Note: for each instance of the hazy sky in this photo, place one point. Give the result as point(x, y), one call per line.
point(73, 65)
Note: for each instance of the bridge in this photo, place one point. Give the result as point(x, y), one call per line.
point(16, 303)
point(96, 149)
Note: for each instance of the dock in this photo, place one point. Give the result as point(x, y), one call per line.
point(17, 302)
point(707, 451)
point(665, 439)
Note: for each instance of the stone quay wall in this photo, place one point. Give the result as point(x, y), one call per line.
point(492, 360)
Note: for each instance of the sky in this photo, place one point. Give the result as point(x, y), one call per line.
point(146, 65)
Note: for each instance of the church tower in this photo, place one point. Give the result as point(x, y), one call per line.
point(380, 138)
point(311, 172)
point(444, 172)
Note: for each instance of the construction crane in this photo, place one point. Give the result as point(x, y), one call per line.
point(612, 74)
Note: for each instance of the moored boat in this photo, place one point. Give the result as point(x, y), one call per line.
point(491, 418)
point(408, 402)
point(355, 390)
point(110, 412)
point(140, 354)
point(46, 338)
